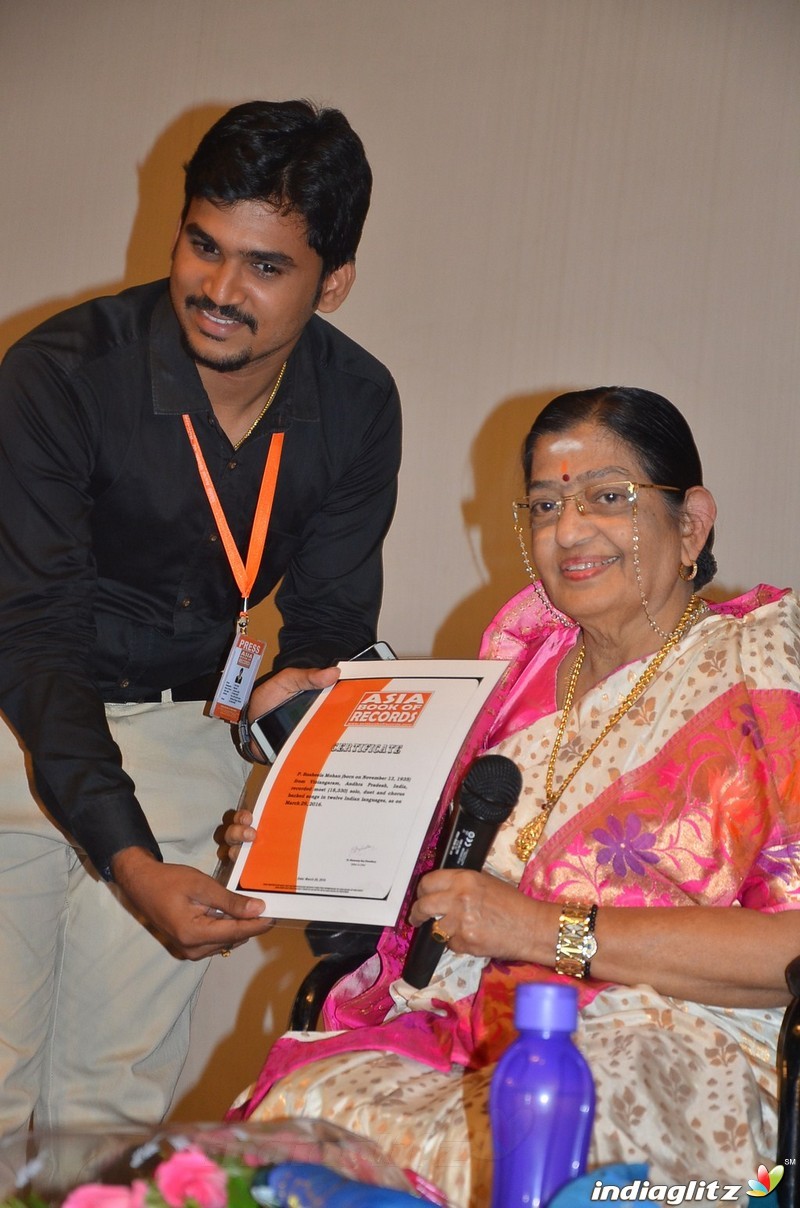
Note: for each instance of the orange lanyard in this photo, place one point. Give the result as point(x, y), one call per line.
point(244, 573)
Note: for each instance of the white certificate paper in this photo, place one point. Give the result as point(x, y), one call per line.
point(345, 808)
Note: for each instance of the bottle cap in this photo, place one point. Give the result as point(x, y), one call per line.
point(546, 1007)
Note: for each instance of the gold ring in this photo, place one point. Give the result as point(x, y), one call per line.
point(225, 952)
point(441, 937)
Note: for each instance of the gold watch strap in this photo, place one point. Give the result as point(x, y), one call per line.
point(576, 944)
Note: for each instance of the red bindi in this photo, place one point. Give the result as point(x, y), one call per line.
point(564, 474)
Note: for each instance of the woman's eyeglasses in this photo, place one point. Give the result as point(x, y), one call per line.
point(599, 499)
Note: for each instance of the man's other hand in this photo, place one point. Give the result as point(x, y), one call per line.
point(196, 915)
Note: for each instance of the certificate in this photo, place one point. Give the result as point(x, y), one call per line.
point(345, 808)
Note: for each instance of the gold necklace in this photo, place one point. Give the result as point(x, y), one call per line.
point(264, 409)
point(530, 834)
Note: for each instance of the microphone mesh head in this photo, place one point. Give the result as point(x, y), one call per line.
point(491, 788)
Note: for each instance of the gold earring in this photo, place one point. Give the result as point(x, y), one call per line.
point(687, 573)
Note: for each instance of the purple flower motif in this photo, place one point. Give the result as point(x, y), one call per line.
point(778, 863)
point(625, 848)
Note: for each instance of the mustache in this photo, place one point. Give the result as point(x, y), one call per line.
point(203, 302)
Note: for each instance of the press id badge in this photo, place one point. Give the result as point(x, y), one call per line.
point(238, 677)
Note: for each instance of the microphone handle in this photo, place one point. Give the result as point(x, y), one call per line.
point(468, 847)
point(423, 956)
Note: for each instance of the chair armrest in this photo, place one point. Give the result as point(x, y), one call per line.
point(317, 984)
point(334, 939)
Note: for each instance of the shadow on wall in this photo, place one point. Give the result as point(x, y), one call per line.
point(496, 459)
point(160, 178)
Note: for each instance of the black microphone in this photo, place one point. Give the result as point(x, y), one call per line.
point(488, 794)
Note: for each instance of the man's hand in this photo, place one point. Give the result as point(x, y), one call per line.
point(237, 831)
point(286, 683)
point(281, 687)
point(196, 915)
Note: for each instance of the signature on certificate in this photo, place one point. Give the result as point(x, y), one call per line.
point(364, 853)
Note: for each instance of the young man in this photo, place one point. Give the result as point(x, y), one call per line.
point(133, 431)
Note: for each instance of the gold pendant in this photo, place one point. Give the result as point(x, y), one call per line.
point(529, 836)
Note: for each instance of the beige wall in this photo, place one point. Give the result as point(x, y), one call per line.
point(568, 192)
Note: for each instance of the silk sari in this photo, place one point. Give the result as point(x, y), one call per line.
point(692, 799)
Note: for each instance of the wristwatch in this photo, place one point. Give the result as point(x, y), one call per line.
point(243, 739)
point(576, 944)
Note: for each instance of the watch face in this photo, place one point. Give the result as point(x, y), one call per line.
point(589, 947)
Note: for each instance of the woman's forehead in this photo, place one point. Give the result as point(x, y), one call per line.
point(581, 450)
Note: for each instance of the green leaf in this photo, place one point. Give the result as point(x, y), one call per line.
point(239, 1191)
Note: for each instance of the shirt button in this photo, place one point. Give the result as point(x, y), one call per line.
point(232, 465)
point(212, 537)
point(123, 683)
point(185, 603)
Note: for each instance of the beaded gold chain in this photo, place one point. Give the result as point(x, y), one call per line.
point(263, 410)
point(530, 834)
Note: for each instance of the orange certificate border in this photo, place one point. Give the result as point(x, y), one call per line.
point(272, 862)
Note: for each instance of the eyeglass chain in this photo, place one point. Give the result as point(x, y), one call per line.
point(530, 834)
point(662, 633)
point(562, 619)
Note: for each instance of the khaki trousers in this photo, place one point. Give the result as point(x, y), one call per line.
point(94, 1011)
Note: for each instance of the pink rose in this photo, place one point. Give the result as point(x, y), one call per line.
point(107, 1195)
point(190, 1175)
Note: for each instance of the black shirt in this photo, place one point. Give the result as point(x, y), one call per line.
point(113, 581)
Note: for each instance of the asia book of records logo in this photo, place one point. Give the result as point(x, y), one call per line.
point(765, 1180)
point(388, 708)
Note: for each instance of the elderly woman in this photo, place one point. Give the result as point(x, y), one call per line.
point(654, 855)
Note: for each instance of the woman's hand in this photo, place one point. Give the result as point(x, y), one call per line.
point(481, 914)
point(723, 956)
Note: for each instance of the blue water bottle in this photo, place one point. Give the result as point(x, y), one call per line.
point(541, 1101)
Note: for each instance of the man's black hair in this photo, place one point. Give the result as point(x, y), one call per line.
point(296, 157)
